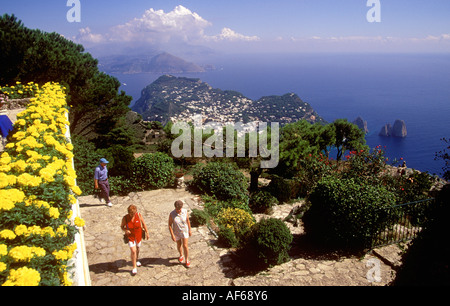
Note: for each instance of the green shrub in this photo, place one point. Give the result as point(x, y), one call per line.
point(153, 171)
point(213, 206)
point(86, 158)
point(227, 237)
point(347, 213)
point(198, 217)
point(120, 186)
point(122, 161)
point(281, 188)
point(222, 180)
point(262, 201)
point(269, 242)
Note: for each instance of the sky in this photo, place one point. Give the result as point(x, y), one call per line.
point(243, 26)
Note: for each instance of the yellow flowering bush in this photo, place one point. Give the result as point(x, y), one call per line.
point(235, 219)
point(37, 191)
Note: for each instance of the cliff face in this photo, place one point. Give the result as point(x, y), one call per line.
point(398, 130)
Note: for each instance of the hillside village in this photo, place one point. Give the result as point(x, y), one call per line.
point(179, 99)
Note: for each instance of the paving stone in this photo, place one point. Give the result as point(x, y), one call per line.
point(110, 265)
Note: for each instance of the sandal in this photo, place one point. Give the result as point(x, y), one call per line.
point(180, 259)
point(188, 264)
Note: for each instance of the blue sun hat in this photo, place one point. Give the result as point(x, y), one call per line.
point(104, 161)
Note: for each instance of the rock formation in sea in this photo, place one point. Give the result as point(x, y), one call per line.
point(362, 124)
point(398, 130)
point(386, 130)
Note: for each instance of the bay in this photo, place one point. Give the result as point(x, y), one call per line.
point(378, 87)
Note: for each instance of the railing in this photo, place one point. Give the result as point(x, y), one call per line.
point(403, 222)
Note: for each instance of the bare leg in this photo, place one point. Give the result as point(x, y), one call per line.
point(134, 252)
point(179, 244)
point(185, 248)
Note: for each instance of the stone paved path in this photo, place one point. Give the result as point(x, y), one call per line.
point(110, 264)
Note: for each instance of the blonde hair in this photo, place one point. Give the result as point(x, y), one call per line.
point(132, 208)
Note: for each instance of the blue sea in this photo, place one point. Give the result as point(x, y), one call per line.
point(378, 87)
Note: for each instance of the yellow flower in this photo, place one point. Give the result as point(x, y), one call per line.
point(48, 231)
point(21, 230)
point(72, 199)
point(3, 250)
point(76, 190)
point(9, 197)
point(24, 253)
point(23, 277)
point(26, 179)
point(4, 181)
point(62, 230)
point(54, 212)
point(7, 234)
point(79, 222)
point(2, 266)
point(61, 255)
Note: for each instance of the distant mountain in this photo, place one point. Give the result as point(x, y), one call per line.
point(179, 99)
point(160, 63)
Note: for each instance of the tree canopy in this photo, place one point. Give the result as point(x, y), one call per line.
point(28, 55)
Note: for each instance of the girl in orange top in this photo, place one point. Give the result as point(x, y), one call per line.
point(132, 224)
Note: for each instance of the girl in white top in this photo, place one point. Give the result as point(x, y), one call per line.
point(180, 230)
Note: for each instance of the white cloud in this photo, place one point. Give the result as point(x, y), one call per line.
point(85, 35)
point(228, 34)
point(157, 26)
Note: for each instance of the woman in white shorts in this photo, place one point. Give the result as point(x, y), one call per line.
point(132, 225)
point(180, 230)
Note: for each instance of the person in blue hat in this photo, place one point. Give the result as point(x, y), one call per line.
point(101, 181)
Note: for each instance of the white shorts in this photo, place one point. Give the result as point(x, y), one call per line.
point(133, 244)
point(179, 236)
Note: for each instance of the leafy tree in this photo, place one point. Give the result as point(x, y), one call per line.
point(347, 137)
point(32, 55)
point(153, 171)
point(222, 180)
point(345, 212)
point(299, 141)
point(443, 155)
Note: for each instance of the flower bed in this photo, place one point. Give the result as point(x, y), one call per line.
point(37, 191)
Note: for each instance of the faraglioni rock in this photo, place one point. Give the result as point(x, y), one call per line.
point(361, 124)
point(386, 130)
point(398, 130)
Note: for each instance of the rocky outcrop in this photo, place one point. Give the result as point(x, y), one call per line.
point(398, 130)
point(386, 130)
point(361, 124)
